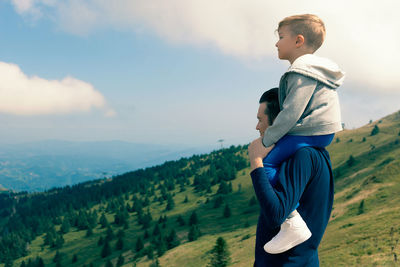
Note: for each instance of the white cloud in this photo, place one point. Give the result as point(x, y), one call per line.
point(23, 95)
point(362, 35)
point(23, 6)
point(32, 7)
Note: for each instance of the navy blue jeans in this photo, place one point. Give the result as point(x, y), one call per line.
point(286, 147)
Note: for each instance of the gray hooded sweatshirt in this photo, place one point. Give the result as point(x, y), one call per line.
point(308, 100)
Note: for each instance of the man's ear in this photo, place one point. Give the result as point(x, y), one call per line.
point(299, 40)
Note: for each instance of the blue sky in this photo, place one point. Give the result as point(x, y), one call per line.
point(189, 72)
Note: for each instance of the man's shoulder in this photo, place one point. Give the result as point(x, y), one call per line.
point(311, 153)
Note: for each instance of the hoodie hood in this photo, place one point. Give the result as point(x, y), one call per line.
point(318, 68)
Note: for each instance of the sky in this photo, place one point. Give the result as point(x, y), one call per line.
point(179, 71)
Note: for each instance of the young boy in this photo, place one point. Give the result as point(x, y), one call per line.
point(309, 110)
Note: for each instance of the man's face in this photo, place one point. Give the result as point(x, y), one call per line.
point(263, 121)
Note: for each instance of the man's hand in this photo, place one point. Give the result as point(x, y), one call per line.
point(257, 152)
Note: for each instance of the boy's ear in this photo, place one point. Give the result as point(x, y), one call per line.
point(299, 40)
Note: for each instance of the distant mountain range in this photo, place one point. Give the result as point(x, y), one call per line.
point(38, 166)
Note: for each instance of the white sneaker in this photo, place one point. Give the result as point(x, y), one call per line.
point(294, 231)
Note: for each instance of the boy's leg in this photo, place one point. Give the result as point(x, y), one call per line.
point(286, 147)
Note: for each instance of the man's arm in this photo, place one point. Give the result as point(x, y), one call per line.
point(277, 203)
point(298, 94)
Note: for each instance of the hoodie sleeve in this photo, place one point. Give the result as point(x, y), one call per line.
point(298, 93)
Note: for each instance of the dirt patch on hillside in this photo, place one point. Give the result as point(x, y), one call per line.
point(341, 208)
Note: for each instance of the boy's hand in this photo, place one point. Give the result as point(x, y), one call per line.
point(257, 152)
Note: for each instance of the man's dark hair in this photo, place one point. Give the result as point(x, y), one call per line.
point(272, 101)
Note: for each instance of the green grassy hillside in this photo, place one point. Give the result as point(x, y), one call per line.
point(365, 226)
point(364, 229)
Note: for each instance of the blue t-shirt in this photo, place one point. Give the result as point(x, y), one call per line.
point(305, 178)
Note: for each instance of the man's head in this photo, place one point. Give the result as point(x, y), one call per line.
point(306, 32)
point(268, 110)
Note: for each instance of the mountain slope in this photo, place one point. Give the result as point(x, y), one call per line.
point(363, 231)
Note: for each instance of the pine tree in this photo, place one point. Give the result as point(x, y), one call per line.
point(57, 257)
point(351, 161)
point(120, 261)
point(193, 219)
point(218, 202)
point(109, 233)
point(180, 220)
point(8, 262)
point(120, 234)
point(155, 263)
point(146, 219)
point(156, 230)
point(361, 207)
point(39, 262)
point(65, 227)
point(224, 188)
point(253, 201)
point(101, 241)
point(182, 186)
point(126, 225)
point(146, 234)
point(219, 254)
point(172, 239)
point(120, 244)
point(49, 239)
point(227, 211)
point(89, 232)
point(74, 258)
point(375, 130)
point(59, 241)
point(106, 251)
point(92, 219)
point(162, 247)
point(139, 244)
point(170, 203)
point(194, 233)
point(150, 252)
point(103, 221)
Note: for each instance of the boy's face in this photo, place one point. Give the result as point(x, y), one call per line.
point(286, 44)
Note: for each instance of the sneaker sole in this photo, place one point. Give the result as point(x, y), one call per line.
point(288, 246)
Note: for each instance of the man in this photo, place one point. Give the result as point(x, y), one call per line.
point(305, 178)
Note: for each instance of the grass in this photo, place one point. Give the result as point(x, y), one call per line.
point(369, 238)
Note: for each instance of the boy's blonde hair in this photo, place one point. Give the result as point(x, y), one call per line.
point(308, 25)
